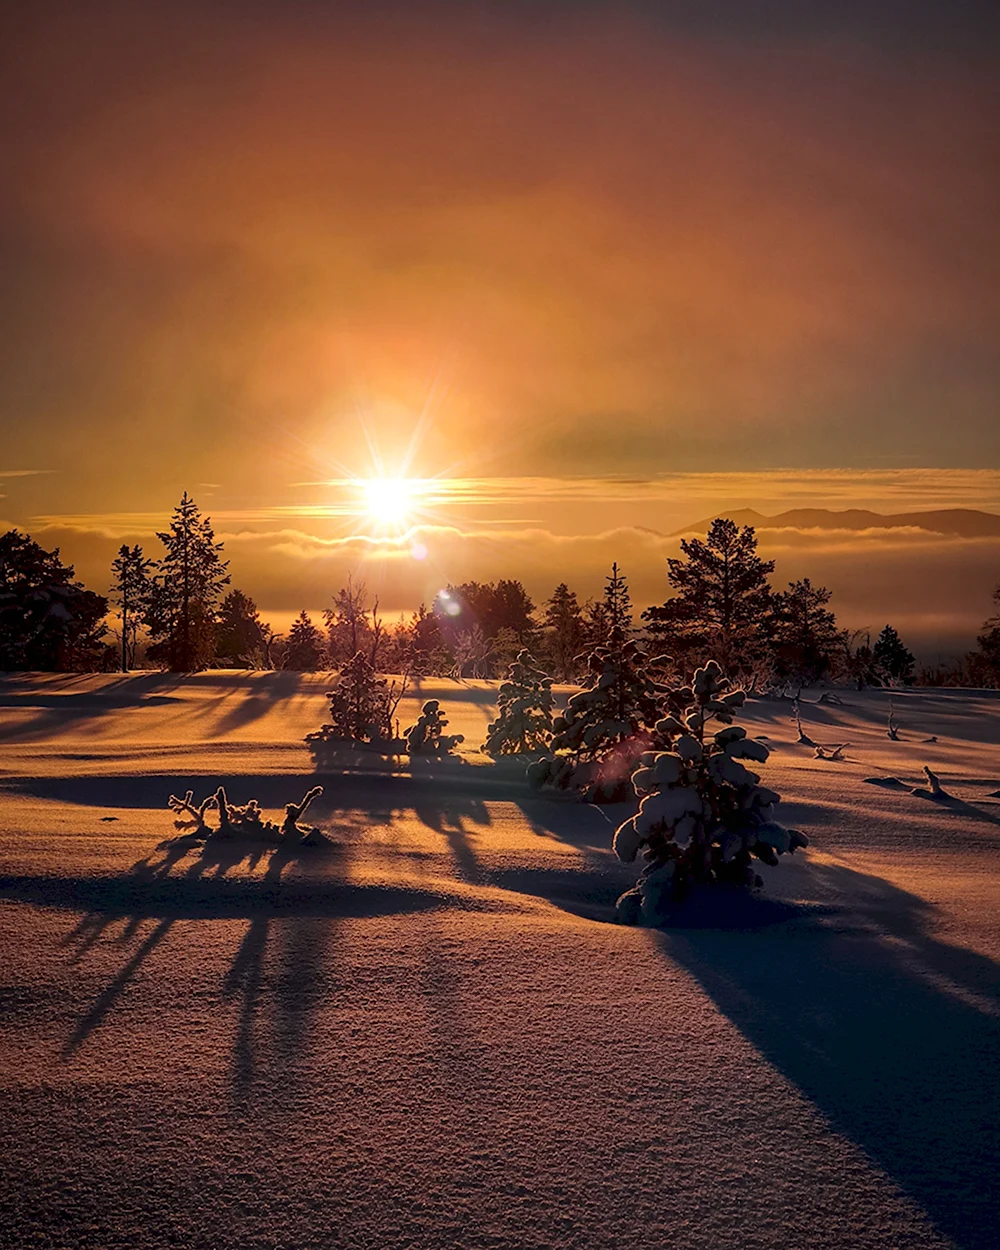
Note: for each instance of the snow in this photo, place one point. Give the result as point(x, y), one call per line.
point(424, 1032)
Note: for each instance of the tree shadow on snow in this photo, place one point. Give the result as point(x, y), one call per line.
point(892, 1034)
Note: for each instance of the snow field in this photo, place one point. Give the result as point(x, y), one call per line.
point(424, 1033)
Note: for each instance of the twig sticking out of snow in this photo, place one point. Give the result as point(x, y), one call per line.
point(295, 811)
point(933, 789)
point(892, 726)
point(828, 696)
point(797, 717)
point(833, 752)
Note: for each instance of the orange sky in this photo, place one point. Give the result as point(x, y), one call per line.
point(551, 240)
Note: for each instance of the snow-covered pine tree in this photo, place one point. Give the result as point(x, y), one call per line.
point(703, 815)
point(131, 588)
point(304, 650)
point(524, 710)
point(605, 727)
point(427, 736)
point(362, 707)
point(185, 591)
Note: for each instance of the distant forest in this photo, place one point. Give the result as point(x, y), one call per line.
point(179, 611)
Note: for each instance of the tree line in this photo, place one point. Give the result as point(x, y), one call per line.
point(180, 612)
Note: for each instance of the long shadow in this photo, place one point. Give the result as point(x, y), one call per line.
point(57, 712)
point(107, 999)
point(253, 698)
point(892, 1034)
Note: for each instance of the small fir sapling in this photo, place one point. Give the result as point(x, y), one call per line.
point(242, 821)
point(703, 815)
point(524, 710)
point(362, 706)
point(426, 737)
point(605, 727)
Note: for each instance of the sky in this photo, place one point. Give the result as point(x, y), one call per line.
point(604, 268)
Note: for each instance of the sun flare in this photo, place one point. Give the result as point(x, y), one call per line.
point(388, 500)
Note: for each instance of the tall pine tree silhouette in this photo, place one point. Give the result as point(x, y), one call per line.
point(723, 604)
point(564, 630)
point(304, 652)
point(618, 601)
point(131, 587)
point(190, 578)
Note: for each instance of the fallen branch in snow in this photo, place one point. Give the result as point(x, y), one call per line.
point(829, 696)
point(245, 821)
point(835, 751)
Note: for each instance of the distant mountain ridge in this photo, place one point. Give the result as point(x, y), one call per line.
point(964, 522)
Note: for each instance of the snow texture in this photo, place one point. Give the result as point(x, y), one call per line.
point(423, 1033)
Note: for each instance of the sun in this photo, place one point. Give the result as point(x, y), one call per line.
point(388, 500)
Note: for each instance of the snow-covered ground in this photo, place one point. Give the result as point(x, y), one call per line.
point(426, 1034)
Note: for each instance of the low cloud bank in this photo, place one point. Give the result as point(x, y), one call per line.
point(935, 589)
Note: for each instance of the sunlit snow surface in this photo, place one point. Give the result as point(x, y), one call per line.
point(425, 1033)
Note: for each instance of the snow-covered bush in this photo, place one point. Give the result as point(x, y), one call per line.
point(427, 736)
point(703, 814)
point(246, 821)
point(605, 728)
point(524, 710)
point(362, 707)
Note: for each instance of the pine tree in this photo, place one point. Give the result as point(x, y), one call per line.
point(426, 737)
point(564, 628)
point(362, 706)
point(184, 594)
point(304, 652)
point(131, 588)
point(240, 633)
point(605, 726)
point(48, 621)
point(524, 710)
point(617, 601)
point(891, 660)
point(703, 815)
point(984, 663)
point(596, 624)
point(806, 637)
point(723, 603)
